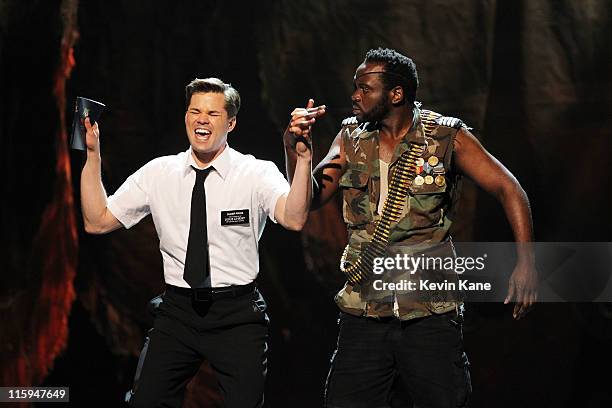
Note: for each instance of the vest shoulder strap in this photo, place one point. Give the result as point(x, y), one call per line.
point(451, 122)
point(432, 119)
point(348, 130)
point(351, 120)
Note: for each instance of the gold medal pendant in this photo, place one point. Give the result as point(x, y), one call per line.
point(429, 179)
point(433, 161)
point(440, 181)
point(418, 181)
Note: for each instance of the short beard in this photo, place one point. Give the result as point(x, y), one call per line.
point(378, 112)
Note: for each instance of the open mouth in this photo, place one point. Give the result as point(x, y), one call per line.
point(202, 134)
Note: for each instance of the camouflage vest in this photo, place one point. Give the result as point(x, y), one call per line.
point(427, 215)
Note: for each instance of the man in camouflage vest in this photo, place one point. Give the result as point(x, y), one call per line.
point(388, 338)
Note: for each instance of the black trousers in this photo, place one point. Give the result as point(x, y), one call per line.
point(390, 363)
point(230, 333)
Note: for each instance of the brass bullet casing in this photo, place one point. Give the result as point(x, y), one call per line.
point(429, 179)
point(440, 181)
point(420, 161)
point(403, 174)
point(433, 161)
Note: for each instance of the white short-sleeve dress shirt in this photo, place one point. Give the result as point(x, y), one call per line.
point(241, 193)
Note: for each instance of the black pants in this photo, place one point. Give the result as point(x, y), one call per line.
point(230, 333)
point(376, 362)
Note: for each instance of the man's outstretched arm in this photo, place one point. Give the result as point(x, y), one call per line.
point(492, 176)
point(96, 216)
point(292, 210)
point(327, 173)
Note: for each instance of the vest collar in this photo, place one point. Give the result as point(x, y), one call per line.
point(415, 133)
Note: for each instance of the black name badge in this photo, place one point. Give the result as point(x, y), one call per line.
point(235, 217)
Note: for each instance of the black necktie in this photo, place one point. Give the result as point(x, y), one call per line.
point(197, 263)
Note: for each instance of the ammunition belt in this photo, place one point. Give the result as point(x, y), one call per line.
point(401, 180)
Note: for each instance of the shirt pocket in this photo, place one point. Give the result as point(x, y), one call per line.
point(356, 207)
point(426, 205)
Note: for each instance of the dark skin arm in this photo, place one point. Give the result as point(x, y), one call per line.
point(488, 173)
point(328, 172)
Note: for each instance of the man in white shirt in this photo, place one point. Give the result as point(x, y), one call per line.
point(209, 205)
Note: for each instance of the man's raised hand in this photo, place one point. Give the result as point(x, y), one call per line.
point(92, 137)
point(299, 132)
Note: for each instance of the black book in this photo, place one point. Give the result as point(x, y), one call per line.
point(83, 108)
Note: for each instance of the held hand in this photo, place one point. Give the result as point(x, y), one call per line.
point(523, 286)
point(298, 133)
point(92, 137)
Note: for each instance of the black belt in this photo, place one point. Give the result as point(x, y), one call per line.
point(212, 294)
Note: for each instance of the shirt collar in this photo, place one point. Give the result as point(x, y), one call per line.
point(221, 163)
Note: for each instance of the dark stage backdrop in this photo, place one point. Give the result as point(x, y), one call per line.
point(531, 77)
